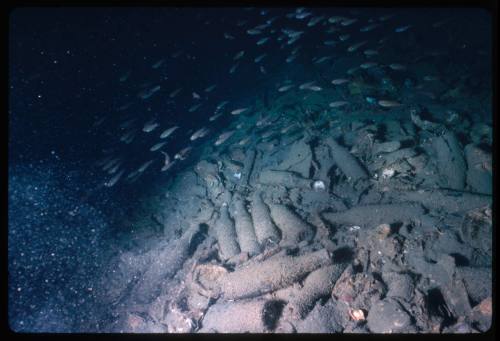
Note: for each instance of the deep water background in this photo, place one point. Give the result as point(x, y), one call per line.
point(64, 71)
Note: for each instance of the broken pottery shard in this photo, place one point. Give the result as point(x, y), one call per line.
point(479, 169)
point(317, 284)
point(450, 161)
point(293, 228)
point(244, 227)
point(235, 317)
point(270, 275)
point(347, 163)
point(298, 158)
point(226, 234)
point(248, 164)
point(165, 266)
point(373, 215)
point(429, 126)
point(261, 217)
point(326, 163)
point(448, 200)
point(284, 178)
point(386, 147)
point(388, 316)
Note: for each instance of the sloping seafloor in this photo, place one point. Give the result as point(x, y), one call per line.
point(349, 220)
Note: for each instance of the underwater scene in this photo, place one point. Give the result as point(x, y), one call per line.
point(250, 170)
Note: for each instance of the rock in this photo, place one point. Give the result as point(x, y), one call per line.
point(284, 178)
point(373, 215)
point(349, 165)
point(388, 316)
point(477, 232)
point(401, 286)
point(478, 282)
point(481, 315)
point(298, 159)
point(386, 147)
point(450, 161)
point(322, 319)
point(246, 316)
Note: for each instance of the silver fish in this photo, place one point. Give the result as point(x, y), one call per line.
point(145, 166)
point(157, 146)
point(239, 55)
point(125, 137)
point(368, 28)
point(259, 58)
point(314, 88)
point(202, 132)
point(430, 78)
point(262, 69)
point(397, 67)
point(244, 141)
point(388, 103)
point(303, 15)
point(340, 81)
point(166, 164)
point(261, 27)
point(253, 32)
point(238, 111)
point(262, 40)
point(348, 22)
point(356, 46)
point(338, 104)
point(285, 87)
point(111, 163)
point(329, 42)
point(175, 92)
point(182, 154)
point(306, 85)
point(214, 117)
point(125, 106)
point(288, 128)
point(234, 67)
point(115, 168)
point(158, 63)
point(150, 126)
point(114, 179)
point(344, 37)
point(210, 88)
point(336, 19)
point(292, 40)
point(368, 65)
point(195, 107)
point(314, 20)
point(127, 123)
point(125, 76)
point(224, 137)
point(402, 28)
point(196, 96)
point(228, 36)
point(369, 52)
point(167, 132)
point(222, 105)
point(148, 93)
point(291, 58)
point(386, 17)
point(322, 59)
